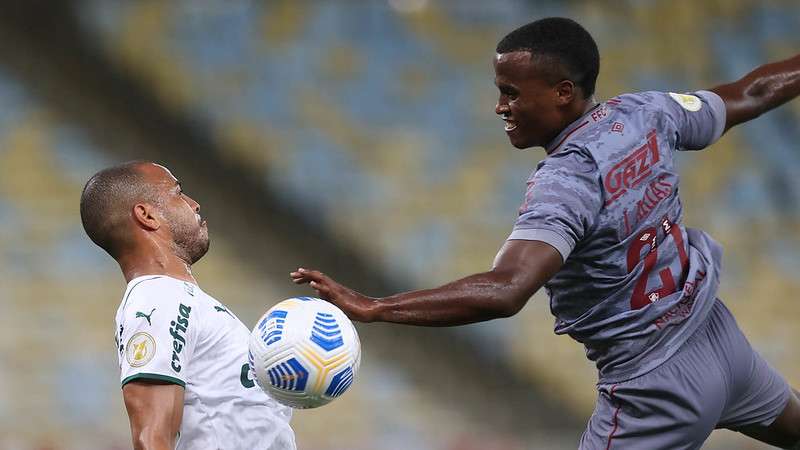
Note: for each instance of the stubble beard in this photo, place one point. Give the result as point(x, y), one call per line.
point(190, 243)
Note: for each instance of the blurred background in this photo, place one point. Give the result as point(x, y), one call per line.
point(358, 137)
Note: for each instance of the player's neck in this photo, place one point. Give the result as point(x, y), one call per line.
point(588, 105)
point(574, 112)
point(577, 110)
point(155, 261)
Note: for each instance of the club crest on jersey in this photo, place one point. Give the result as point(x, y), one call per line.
point(140, 350)
point(177, 330)
point(688, 102)
point(631, 171)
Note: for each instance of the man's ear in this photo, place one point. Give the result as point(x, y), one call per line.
point(144, 215)
point(565, 92)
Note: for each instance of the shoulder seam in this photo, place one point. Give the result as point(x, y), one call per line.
point(569, 136)
point(582, 149)
point(125, 300)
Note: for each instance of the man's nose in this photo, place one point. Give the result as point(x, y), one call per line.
point(501, 108)
point(196, 206)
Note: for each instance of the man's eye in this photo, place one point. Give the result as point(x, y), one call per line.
point(508, 93)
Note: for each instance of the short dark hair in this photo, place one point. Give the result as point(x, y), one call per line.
point(564, 41)
point(106, 202)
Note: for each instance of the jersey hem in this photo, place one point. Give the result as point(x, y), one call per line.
point(616, 376)
point(154, 376)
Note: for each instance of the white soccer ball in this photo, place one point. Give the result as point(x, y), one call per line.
point(304, 352)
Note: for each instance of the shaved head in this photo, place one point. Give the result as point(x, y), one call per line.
point(122, 205)
point(107, 201)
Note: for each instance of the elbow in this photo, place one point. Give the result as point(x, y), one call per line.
point(759, 89)
point(761, 97)
point(139, 442)
point(511, 294)
point(144, 440)
point(507, 312)
point(510, 306)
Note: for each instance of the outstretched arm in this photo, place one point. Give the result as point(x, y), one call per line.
point(761, 90)
point(520, 269)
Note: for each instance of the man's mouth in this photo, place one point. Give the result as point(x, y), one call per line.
point(510, 124)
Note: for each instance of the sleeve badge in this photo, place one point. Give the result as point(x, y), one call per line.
point(688, 102)
point(140, 349)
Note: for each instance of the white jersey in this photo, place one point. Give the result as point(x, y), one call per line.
point(170, 330)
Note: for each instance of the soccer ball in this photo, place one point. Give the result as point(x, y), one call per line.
point(304, 352)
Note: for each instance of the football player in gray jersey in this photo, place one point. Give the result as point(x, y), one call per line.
point(601, 229)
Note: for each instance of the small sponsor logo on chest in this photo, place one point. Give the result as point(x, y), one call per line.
point(177, 330)
point(631, 171)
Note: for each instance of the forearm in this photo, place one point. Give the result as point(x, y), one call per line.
point(761, 90)
point(476, 298)
point(520, 269)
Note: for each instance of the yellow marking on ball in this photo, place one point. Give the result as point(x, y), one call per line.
point(323, 365)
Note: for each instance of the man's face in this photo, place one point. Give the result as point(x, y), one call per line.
point(181, 214)
point(528, 103)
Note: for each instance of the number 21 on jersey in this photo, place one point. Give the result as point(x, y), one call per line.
point(648, 239)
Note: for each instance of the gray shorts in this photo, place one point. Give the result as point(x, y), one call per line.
point(716, 380)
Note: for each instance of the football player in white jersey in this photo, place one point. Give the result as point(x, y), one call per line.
point(182, 354)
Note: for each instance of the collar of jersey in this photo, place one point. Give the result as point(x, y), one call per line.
point(578, 124)
point(154, 276)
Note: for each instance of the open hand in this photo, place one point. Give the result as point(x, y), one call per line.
point(358, 307)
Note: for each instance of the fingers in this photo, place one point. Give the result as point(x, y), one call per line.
point(302, 276)
point(317, 280)
point(298, 278)
point(322, 288)
point(325, 287)
point(328, 289)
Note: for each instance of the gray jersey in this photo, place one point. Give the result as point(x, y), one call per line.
point(635, 282)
